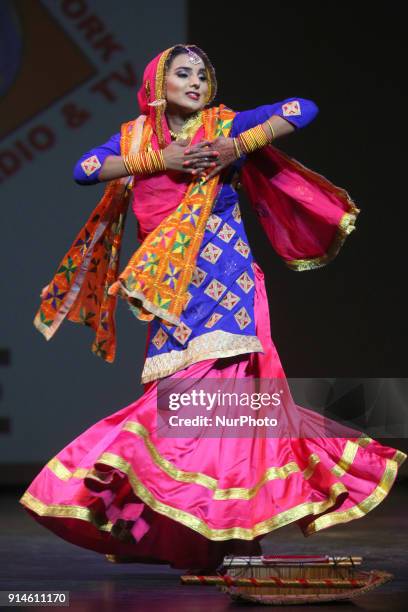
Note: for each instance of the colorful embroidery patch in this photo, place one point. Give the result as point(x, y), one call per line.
point(229, 300)
point(242, 318)
point(211, 252)
point(159, 339)
point(90, 165)
point(242, 247)
point(236, 213)
point(215, 289)
point(182, 333)
point(215, 317)
point(245, 282)
point(198, 276)
point(291, 108)
point(213, 222)
point(226, 232)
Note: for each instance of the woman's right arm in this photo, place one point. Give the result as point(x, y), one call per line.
point(104, 163)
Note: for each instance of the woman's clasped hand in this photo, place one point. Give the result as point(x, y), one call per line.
point(206, 158)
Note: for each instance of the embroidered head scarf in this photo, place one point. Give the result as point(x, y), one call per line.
point(151, 96)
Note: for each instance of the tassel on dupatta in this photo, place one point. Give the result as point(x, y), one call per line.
point(305, 217)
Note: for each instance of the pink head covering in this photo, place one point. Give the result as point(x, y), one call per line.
point(151, 95)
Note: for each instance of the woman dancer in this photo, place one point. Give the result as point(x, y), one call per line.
point(120, 488)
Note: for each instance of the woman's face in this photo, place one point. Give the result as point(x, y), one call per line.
point(186, 85)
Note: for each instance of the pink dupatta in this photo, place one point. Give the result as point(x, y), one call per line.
point(305, 217)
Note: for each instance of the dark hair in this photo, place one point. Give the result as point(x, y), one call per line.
point(184, 49)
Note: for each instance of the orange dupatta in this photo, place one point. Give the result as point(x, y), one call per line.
point(86, 284)
point(156, 279)
point(79, 289)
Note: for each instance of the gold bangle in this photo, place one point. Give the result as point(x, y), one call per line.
point(237, 148)
point(253, 139)
point(271, 128)
point(126, 164)
point(144, 163)
point(162, 160)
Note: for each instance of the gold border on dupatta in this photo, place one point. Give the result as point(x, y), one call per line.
point(345, 227)
point(159, 89)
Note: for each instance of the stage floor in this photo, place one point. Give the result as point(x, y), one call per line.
point(34, 559)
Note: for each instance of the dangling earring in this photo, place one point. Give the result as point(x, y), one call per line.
point(158, 102)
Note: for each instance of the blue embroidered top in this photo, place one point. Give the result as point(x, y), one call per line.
point(218, 319)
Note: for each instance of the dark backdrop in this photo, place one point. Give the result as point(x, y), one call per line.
point(347, 319)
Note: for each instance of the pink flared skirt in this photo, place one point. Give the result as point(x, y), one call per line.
point(122, 490)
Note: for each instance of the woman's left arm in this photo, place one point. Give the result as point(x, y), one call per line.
point(283, 117)
point(291, 113)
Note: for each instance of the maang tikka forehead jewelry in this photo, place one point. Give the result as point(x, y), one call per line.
point(193, 57)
